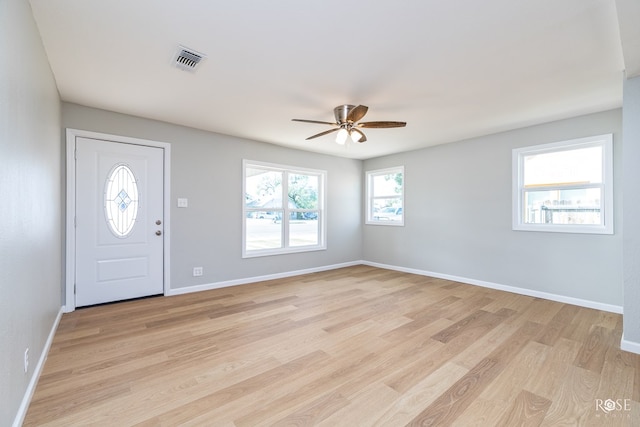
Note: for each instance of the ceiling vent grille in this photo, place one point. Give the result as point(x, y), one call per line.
point(187, 59)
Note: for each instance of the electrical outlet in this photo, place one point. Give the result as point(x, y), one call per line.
point(197, 271)
point(26, 360)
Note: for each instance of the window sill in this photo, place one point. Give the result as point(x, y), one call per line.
point(572, 229)
point(270, 252)
point(388, 223)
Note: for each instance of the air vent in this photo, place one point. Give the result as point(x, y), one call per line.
point(187, 59)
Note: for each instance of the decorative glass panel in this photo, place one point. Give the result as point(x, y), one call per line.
point(121, 200)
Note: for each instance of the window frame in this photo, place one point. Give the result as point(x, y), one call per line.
point(285, 209)
point(606, 201)
point(369, 176)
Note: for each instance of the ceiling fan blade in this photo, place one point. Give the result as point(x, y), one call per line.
point(323, 133)
point(362, 138)
point(314, 121)
point(382, 124)
point(357, 113)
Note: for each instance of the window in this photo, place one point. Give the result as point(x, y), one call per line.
point(564, 186)
point(283, 210)
point(121, 200)
point(385, 196)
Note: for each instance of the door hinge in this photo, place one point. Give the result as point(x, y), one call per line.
point(75, 153)
point(74, 289)
point(75, 222)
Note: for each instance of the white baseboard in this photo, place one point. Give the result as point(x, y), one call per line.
point(630, 346)
point(522, 291)
point(244, 281)
point(31, 388)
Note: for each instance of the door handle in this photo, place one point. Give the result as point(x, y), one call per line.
point(158, 233)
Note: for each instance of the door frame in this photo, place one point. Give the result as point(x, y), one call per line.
point(70, 252)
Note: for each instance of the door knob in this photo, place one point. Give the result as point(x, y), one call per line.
point(158, 233)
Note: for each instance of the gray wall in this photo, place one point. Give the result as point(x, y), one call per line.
point(206, 168)
point(30, 202)
point(631, 167)
point(458, 218)
point(458, 209)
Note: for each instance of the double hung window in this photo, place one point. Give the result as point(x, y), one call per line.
point(283, 209)
point(565, 186)
point(385, 196)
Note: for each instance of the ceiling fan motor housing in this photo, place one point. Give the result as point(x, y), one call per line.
point(341, 112)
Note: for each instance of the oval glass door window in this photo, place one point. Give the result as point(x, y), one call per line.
point(121, 200)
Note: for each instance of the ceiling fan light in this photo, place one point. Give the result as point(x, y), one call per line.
point(356, 135)
point(341, 138)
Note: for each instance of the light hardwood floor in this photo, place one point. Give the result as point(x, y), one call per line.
point(358, 346)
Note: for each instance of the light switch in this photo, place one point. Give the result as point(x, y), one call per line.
point(183, 203)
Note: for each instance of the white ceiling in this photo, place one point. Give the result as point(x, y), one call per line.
point(450, 69)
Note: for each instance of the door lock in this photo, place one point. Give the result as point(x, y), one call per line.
point(158, 233)
point(158, 222)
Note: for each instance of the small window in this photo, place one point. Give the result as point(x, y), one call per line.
point(121, 200)
point(564, 186)
point(385, 196)
point(283, 209)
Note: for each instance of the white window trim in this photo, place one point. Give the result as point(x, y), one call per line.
point(322, 232)
point(518, 154)
point(370, 198)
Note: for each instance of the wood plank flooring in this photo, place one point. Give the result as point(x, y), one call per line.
point(358, 346)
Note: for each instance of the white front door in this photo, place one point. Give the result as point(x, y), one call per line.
point(119, 221)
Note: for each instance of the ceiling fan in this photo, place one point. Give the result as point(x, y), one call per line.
point(348, 123)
